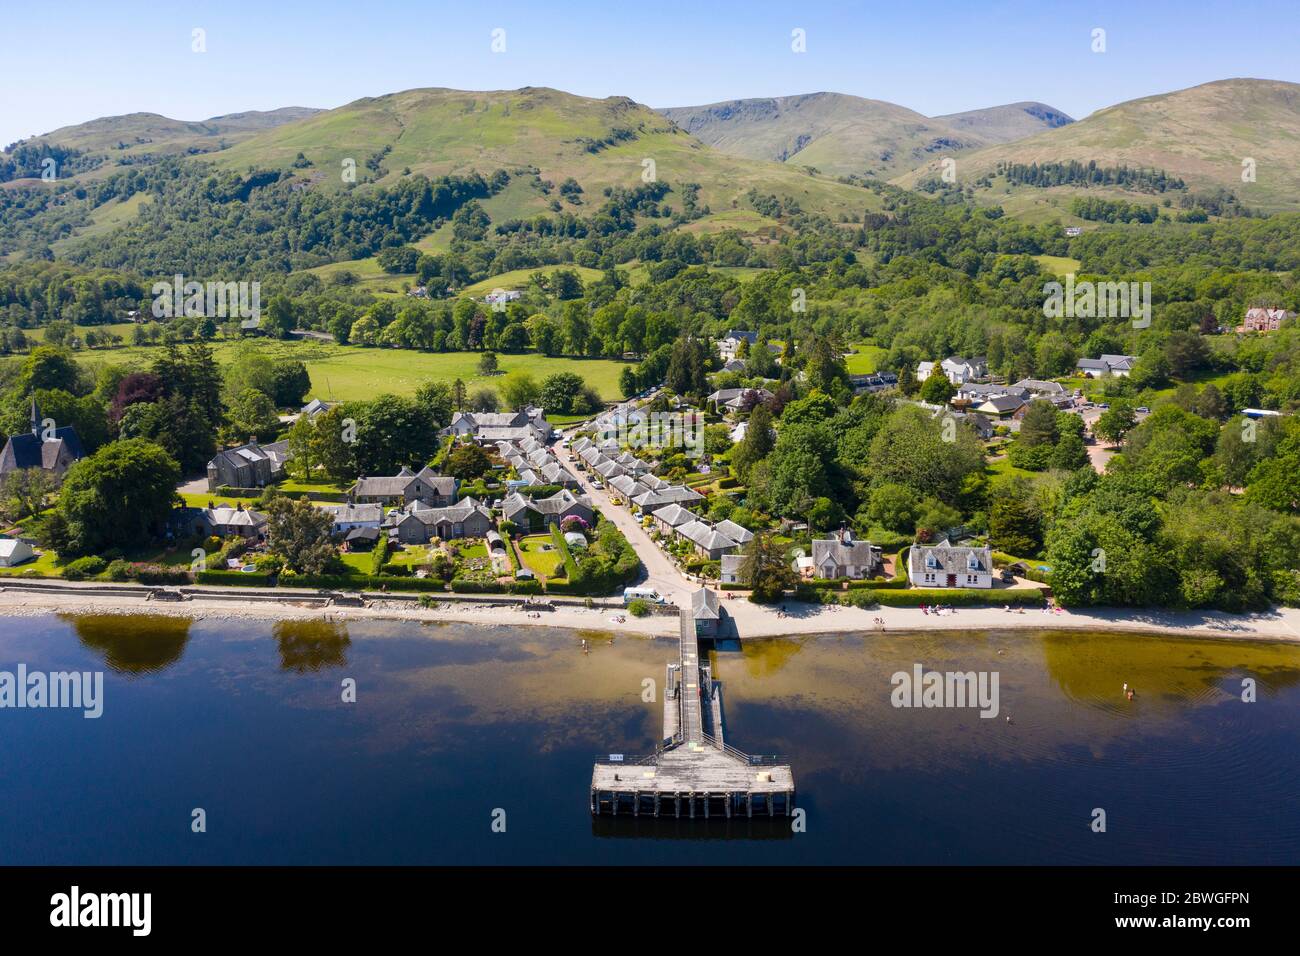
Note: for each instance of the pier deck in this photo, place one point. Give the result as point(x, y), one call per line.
point(694, 772)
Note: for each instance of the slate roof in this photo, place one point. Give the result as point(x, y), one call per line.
point(948, 558)
point(711, 539)
point(705, 605)
point(457, 512)
point(229, 517)
point(858, 553)
point(675, 516)
point(735, 532)
point(347, 513)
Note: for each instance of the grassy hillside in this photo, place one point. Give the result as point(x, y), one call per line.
point(1201, 135)
point(349, 373)
point(834, 132)
point(600, 143)
point(136, 133)
point(1004, 124)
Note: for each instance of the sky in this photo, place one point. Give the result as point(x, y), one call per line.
point(78, 60)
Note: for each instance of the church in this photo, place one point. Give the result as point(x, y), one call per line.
point(53, 449)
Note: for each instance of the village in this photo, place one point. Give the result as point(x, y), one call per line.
point(641, 504)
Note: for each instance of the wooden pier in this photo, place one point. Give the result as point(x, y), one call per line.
point(693, 773)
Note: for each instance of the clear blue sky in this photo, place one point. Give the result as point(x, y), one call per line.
point(70, 62)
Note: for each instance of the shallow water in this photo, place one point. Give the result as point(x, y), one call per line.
point(454, 722)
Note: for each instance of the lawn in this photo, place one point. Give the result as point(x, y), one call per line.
point(542, 562)
point(200, 500)
point(518, 279)
point(369, 276)
point(46, 563)
point(1058, 265)
point(1002, 468)
point(124, 329)
point(865, 359)
point(350, 373)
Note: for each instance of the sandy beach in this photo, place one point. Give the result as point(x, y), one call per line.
point(751, 620)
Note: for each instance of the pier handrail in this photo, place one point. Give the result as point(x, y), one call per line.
point(754, 760)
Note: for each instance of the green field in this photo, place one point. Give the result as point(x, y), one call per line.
point(349, 373)
point(124, 329)
point(865, 359)
point(104, 219)
point(1058, 265)
point(518, 279)
point(369, 276)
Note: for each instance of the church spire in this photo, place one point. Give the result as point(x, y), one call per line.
point(36, 418)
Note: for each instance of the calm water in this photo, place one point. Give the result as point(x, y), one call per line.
point(451, 722)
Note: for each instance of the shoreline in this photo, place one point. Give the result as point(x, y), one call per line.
point(1281, 625)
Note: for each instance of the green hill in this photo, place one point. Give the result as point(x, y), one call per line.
point(598, 142)
point(1201, 135)
point(849, 135)
point(1005, 124)
point(833, 132)
point(136, 133)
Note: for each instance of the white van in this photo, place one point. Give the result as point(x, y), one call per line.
point(645, 594)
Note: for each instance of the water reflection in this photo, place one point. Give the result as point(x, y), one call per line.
point(311, 645)
point(133, 644)
point(458, 719)
point(1164, 673)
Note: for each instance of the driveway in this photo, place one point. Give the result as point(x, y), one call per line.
point(661, 573)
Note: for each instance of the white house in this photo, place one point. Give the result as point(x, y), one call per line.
point(945, 565)
point(729, 344)
point(962, 370)
point(958, 370)
point(14, 552)
point(1118, 365)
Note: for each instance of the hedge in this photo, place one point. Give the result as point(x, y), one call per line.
point(363, 582)
point(600, 571)
point(463, 586)
point(254, 579)
point(158, 574)
point(570, 565)
point(334, 497)
point(919, 596)
point(466, 586)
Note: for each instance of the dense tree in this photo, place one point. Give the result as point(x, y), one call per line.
point(765, 568)
point(251, 415)
point(519, 389)
point(300, 533)
point(119, 497)
point(757, 443)
point(937, 390)
point(392, 432)
point(468, 462)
